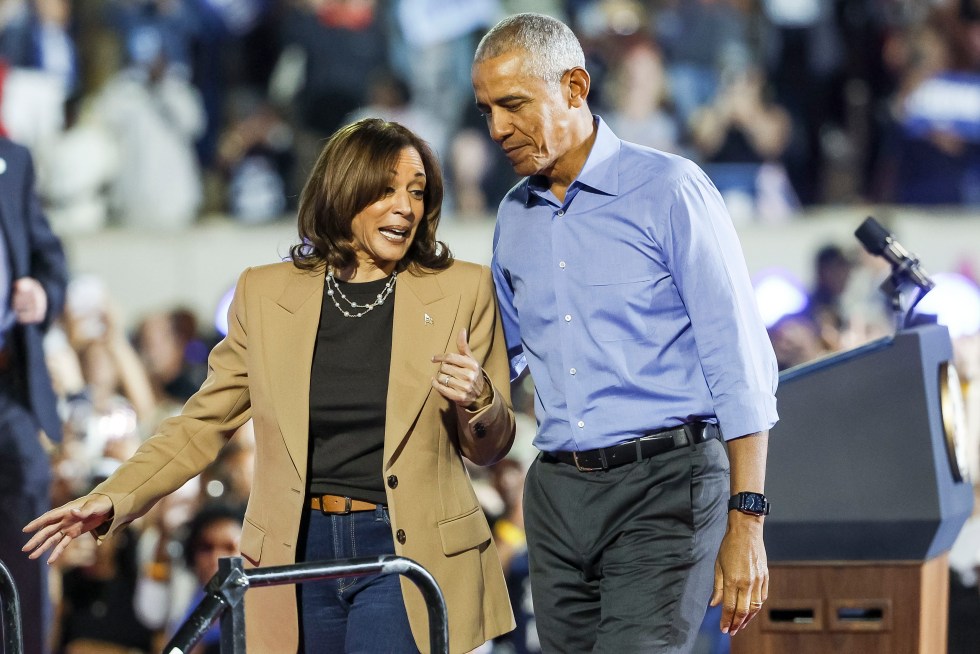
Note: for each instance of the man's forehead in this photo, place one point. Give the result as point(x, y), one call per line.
point(510, 64)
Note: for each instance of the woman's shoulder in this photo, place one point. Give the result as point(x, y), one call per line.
point(277, 275)
point(460, 272)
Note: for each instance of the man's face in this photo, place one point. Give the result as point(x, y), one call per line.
point(526, 116)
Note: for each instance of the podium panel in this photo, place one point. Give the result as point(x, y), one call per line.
point(848, 607)
point(860, 467)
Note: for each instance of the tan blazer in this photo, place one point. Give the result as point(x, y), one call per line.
point(261, 370)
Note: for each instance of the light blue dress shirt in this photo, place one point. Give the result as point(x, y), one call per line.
point(630, 302)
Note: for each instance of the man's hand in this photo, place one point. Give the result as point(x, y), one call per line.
point(742, 569)
point(29, 301)
point(741, 572)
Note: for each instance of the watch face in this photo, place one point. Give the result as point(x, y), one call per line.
point(746, 502)
point(753, 503)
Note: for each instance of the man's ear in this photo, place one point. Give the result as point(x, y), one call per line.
point(578, 86)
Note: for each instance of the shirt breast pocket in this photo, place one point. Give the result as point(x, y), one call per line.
point(619, 306)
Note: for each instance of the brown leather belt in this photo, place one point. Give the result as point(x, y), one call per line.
point(339, 504)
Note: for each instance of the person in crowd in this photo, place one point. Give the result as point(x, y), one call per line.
point(832, 270)
point(356, 454)
point(156, 115)
point(638, 97)
point(33, 278)
point(390, 97)
point(624, 291)
point(214, 532)
point(255, 154)
point(927, 157)
point(164, 340)
point(36, 35)
point(796, 339)
point(742, 138)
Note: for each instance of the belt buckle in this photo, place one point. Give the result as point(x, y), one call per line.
point(346, 511)
point(581, 468)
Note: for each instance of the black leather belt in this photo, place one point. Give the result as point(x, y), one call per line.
point(638, 449)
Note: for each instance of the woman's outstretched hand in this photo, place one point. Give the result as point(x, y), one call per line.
point(59, 527)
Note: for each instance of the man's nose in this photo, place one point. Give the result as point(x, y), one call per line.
point(499, 125)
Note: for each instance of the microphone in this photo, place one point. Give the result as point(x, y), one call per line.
point(879, 241)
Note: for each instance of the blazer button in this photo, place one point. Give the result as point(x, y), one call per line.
point(480, 429)
point(392, 481)
point(400, 536)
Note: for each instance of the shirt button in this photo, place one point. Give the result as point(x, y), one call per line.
point(392, 481)
point(581, 424)
point(561, 264)
point(568, 317)
point(572, 371)
point(400, 536)
point(561, 213)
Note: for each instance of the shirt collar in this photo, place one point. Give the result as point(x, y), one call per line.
point(600, 172)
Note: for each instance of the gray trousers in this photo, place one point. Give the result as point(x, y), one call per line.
point(622, 561)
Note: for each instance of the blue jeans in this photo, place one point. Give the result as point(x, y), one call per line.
point(351, 615)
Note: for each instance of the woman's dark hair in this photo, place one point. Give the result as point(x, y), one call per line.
point(352, 171)
point(208, 515)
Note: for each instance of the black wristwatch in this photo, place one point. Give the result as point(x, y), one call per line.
point(751, 503)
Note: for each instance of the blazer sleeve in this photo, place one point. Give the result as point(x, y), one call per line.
point(184, 445)
point(486, 435)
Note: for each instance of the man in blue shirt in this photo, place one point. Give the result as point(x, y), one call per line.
point(623, 289)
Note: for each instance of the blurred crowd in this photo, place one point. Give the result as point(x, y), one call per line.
point(154, 113)
point(131, 593)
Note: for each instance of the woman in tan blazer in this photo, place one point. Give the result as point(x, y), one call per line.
point(351, 441)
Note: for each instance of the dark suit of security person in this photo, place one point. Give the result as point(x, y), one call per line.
point(33, 277)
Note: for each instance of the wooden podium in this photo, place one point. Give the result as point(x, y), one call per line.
point(848, 607)
point(868, 493)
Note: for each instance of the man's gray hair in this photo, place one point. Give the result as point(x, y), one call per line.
point(551, 46)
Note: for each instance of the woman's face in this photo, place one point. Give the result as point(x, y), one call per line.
point(383, 231)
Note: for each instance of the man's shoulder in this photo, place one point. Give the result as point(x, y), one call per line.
point(641, 160)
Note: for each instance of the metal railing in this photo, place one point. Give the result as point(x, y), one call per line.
point(225, 591)
point(13, 637)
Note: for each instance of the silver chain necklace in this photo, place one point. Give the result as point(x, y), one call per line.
point(333, 290)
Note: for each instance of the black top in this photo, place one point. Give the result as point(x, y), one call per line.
point(348, 392)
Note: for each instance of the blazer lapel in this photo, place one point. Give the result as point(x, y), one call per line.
point(289, 325)
point(423, 326)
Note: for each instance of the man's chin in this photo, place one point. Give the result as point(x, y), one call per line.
point(526, 168)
